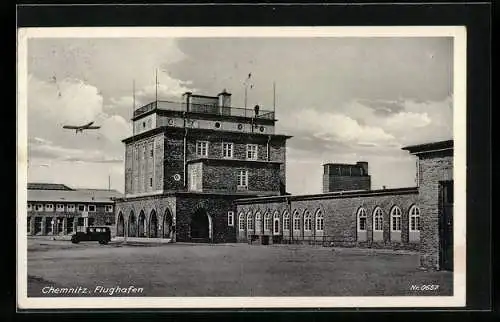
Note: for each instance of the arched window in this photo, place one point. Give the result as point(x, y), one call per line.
point(276, 225)
point(307, 221)
point(241, 221)
point(296, 220)
point(286, 220)
point(320, 222)
point(258, 222)
point(362, 219)
point(414, 218)
point(378, 219)
point(396, 219)
point(267, 221)
point(249, 221)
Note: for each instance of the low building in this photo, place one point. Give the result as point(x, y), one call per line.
point(56, 209)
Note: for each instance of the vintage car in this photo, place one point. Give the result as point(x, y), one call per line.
point(100, 234)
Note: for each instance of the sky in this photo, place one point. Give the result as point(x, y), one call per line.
point(342, 99)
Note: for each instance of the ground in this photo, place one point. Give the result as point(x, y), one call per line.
point(228, 270)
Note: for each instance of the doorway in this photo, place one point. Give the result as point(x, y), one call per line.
point(446, 225)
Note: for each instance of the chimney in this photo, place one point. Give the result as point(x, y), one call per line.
point(364, 166)
point(224, 98)
point(187, 99)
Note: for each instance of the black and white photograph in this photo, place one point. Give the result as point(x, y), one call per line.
point(241, 167)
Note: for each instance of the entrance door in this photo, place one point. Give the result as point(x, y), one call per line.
point(446, 225)
point(200, 227)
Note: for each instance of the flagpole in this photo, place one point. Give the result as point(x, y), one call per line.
point(156, 87)
point(274, 99)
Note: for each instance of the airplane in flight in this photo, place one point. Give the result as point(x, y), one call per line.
point(81, 128)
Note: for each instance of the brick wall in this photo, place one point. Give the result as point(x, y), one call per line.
point(216, 207)
point(224, 177)
point(174, 163)
point(340, 217)
point(433, 168)
point(333, 183)
point(160, 206)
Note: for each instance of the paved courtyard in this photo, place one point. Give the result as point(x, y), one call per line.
point(227, 270)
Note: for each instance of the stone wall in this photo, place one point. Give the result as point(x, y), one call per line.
point(339, 217)
point(433, 168)
point(217, 207)
point(164, 208)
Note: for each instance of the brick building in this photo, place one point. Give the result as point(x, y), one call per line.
point(56, 209)
point(343, 177)
point(418, 218)
point(201, 170)
point(188, 161)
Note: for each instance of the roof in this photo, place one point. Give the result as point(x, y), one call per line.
point(75, 195)
point(331, 195)
point(47, 186)
point(430, 147)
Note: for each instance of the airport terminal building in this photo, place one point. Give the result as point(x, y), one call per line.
point(201, 170)
point(56, 209)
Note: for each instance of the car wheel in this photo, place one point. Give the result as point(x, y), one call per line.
point(75, 241)
point(102, 242)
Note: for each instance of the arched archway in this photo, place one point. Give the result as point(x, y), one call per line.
point(201, 226)
point(132, 225)
point(120, 225)
point(141, 225)
point(167, 224)
point(153, 225)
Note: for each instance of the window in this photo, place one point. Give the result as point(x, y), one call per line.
point(60, 207)
point(307, 221)
point(151, 151)
point(267, 221)
point(258, 222)
point(143, 125)
point(396, 219)
point(81, 207)
point(29, 224)
point(230, 218)
point(38, 207)
point(71, 208)
point(286, 221)
point(296, 220)
point(227, 150)
point(150, 181)
point(241, 221)
point(194, 179)
point(243, 179)
point(202, 148)
point(92, 208)
point(249, 222)
point(361, 219)
point(49, 207)
point(251, 151)
point(378, 219)
point(414, 218)
point(108, 208)
point(29, 207)
point(276, 219)
point(320, 222)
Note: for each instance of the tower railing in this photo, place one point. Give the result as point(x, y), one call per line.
point(212, 109)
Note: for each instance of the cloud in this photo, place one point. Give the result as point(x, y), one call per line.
point(337, 128)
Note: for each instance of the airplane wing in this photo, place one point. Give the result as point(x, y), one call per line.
point(93, 127)
point(88, 124)
point(72, 127)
